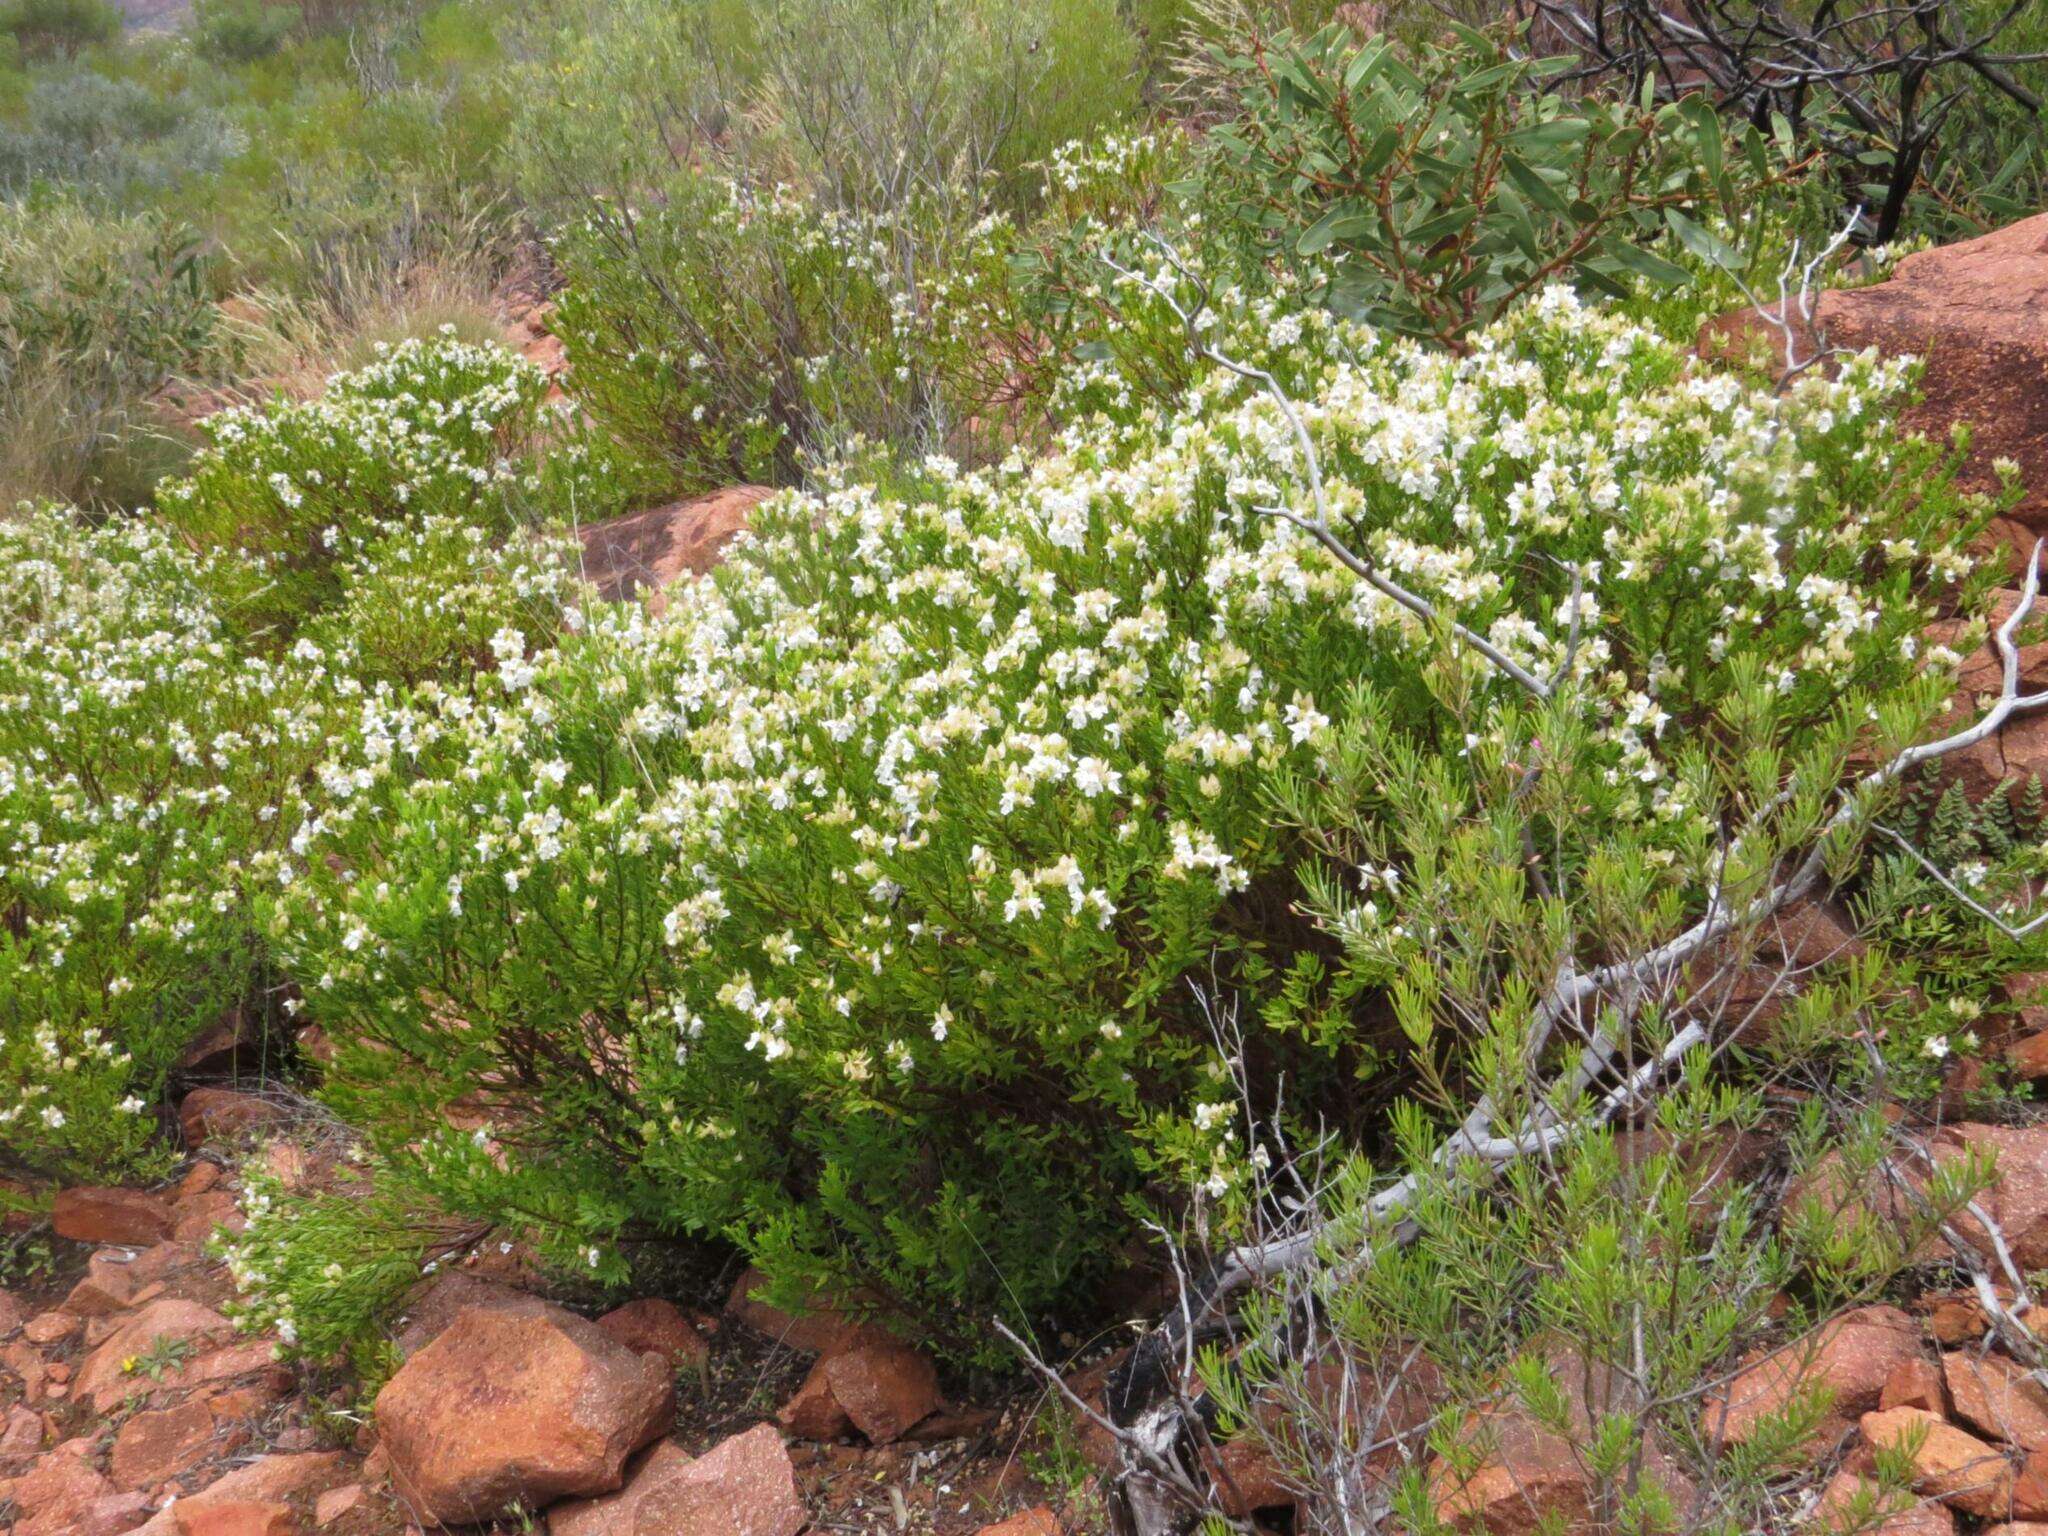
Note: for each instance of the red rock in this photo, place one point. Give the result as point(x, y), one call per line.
point(53, 1497)
point(92, 1214)
point(336, 1503)
point(1248, 1479)
point(2028, 1056)
point(198, 1217)
point(2030, 1488)
point(235, 1517)
point(2018, 1200)
point(25, 1361)
point(653, 1325)
point(1915, 1384)
point(267, 1480)
point(110, 1285)
point(1528, 1479)
point(744, 1486)
point(2015, 1528)
point(21, 1433)
point(1905, 1516)
point(1978, 313)
point(1959, 1469)
point(217, 1049)
point(648, 551)
point(221, 1114)
point(163, 1443)
point(1032, 1522)
point(885, 1388)
point(48, 1328)
point(12, 1314)
point(818, 1329)
point(1998, 1398)
point(1853, 1356)
point(105, 1380)
point(812, 1412)
point(511, 1407)
point(198, 1179)
point(447, 1296)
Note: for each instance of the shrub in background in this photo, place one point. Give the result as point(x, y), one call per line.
point(59, 28)
point(735, 334)
point(1429, 194)
point(241, 31)
point(852, 908)
point(353, 508)
point(98, 314)
point(114, 139)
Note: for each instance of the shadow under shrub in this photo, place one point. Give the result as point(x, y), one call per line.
point(852, 908)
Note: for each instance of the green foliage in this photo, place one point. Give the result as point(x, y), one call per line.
point(1597, 1295)
point(62, 28)
point(114, 139)
point(728, 335)
point(97, 315)
point(1433, 193)
point(851, 909)
point(142, 757)
point(242, 31)
point(323, 1271)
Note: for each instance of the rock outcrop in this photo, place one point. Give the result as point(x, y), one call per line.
point(644, 552)
point(519, 1408)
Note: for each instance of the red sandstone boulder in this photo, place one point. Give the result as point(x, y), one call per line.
point(164, 1442)
point(1530, 1479)
point(880, 1389)
point(269, 1480)
point(1851, 1357)
point(1032, 1522)
point(1851, 1501)
point(651, 1325)
point(446, 1297)
point(221, 1114)
point(1957, 1468)
point(163, 1327)
point(236, 1517)
point(1997, 1398)
point(744, 1486)
point(130, 1217)
point(647, 551)
point(1915, 1384)
point(511, 1408)
point(818, 1329)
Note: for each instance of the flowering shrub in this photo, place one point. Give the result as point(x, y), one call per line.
point(143, 755)
point(852, 907)
point(383, 505)
point(154, 719)
point(731, 332)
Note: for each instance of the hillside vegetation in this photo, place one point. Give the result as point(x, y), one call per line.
point(1279, 711)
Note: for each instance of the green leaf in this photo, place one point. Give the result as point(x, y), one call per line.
point(1530, 183)
point(1429, 231)
point(1550, 135)
point(1650, 265)
point(1346, 221)
point(1702, 242)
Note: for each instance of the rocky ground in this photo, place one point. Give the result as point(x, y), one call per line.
point(129, 1401)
